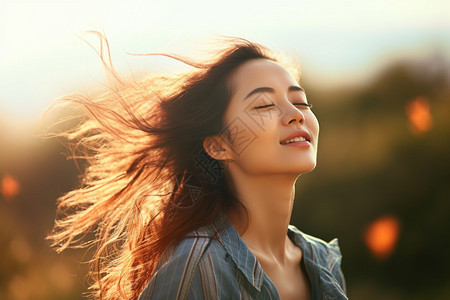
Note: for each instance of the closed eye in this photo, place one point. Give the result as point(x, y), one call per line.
point(264, 106)
point(303, 105)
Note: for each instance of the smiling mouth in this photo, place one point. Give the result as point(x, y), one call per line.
point(296, 139)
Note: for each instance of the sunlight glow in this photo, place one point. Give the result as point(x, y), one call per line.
point(418, 112)
point(42, 59)
point(381, 236)
point(10, 187)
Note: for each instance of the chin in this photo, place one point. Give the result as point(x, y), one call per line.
point(306, 168)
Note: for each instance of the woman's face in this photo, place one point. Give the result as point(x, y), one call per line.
point(270, 128)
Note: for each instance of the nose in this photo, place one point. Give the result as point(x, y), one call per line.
point(293, 116)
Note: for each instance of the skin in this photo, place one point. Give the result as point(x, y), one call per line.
point(263, 172)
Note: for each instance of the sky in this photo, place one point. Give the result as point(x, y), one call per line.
point(42, 58)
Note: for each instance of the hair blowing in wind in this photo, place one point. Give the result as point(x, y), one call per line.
point(142, 142)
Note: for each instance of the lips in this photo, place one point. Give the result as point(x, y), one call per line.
point(298, 136)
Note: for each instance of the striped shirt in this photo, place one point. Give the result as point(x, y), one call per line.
point(202, 267)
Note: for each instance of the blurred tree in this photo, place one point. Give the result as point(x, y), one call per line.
point(371, 165)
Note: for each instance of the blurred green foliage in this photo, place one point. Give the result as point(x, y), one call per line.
point(371, 164)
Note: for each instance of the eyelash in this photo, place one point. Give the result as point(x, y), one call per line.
point(303, 105)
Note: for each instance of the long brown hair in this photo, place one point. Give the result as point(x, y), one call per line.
point(148, 180)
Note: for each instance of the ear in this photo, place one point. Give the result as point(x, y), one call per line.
point(216, 148)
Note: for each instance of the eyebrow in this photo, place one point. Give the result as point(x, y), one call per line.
point(292, 88)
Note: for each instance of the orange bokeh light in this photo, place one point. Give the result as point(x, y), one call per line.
point(381, 236)
point(418, 112)
point(10, 187)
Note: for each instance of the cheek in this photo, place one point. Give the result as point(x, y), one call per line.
point(313, 124)
point(263, 121)
point(249, 130)
point(239, 133)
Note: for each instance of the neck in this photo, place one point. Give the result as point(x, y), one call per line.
point(269, 201)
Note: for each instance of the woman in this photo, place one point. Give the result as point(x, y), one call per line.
point(190, 185)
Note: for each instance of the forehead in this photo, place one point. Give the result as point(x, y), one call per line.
point(260, 72)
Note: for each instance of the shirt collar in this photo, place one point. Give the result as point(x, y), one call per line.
point(239, 252)
point(319, 260)
point(245, 260)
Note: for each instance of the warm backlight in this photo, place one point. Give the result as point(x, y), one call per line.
point(381, 236)
point(418, 112)
point(10, 187)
